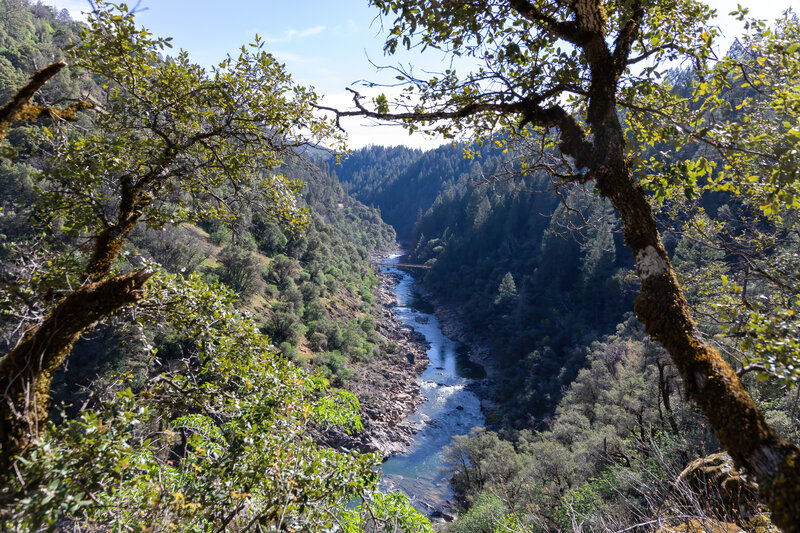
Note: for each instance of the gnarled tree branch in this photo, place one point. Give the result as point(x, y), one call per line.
point(27, 370)
point(12, 110)
point(566, 30)
point(19, 108)
point(626, 38)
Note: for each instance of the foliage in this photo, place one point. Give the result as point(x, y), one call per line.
point(484, 517)
point(506, 291)
point(762, 176)
point(225, 439)
point(180, 132)
point(522, 60)
point(384, 513)
point(474, 229)
point(240, 270)
point(730, 196)
point(609, 457)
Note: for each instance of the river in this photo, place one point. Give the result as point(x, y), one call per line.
point(450, 407)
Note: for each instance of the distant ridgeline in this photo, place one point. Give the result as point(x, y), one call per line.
point(402, 182)
point(534, 287)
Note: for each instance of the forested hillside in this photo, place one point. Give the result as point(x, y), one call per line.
point(537, 289)
point(226, 284)
point(535, 278)
point(401, 182)
point(312, 293)
point(193, 337)
point(697, 171)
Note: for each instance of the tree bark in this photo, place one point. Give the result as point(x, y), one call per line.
point(710, 381)
point(665, 389)
point(27, 370)
point(662, 307)
point(14, 108)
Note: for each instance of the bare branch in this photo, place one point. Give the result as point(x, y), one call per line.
point(751, 368)
point(568, 31)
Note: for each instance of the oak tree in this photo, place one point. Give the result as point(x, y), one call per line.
point(582, 82)
point(225, 435)
point(165, 142)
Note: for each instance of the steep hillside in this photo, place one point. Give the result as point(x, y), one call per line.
point(522, 270)
point(315, 294)
point(401, 182)
point(313, 291)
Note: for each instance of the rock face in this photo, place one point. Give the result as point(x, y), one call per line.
point(714, 484)
point(387, 386)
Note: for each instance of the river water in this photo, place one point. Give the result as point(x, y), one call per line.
point(450, 407)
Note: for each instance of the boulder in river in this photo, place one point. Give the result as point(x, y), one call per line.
point(442, 516)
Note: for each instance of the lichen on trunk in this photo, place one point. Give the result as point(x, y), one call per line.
point(27, 370)
point(709, 380)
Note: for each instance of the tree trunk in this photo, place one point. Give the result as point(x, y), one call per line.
point(27, 370)
point(663, 309)
point(710, 381)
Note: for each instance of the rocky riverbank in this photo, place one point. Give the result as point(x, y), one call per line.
point(451, 408)
point(387, 386)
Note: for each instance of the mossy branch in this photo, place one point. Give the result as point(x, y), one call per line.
point(27, 370)
point(20, 109)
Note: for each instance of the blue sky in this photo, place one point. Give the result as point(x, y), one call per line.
point(327, 44)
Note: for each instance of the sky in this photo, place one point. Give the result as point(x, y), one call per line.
point(330, 44)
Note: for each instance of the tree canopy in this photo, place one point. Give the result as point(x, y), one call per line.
point(168, 143)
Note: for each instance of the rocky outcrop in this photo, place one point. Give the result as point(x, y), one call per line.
point(387, 386)
point(713, 486)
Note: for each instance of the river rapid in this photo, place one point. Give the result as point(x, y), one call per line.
point(450, 407)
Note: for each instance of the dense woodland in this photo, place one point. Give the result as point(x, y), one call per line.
point(592, 430)
point(218, 262)
point(507, 257)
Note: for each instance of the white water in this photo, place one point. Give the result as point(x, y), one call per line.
point(450, 409)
